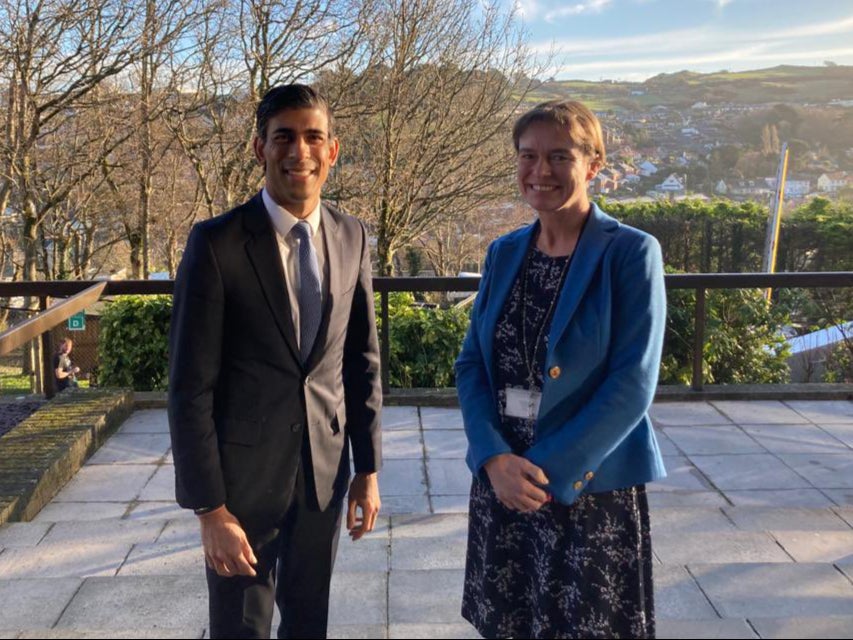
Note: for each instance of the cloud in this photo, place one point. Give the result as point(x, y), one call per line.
point(588, 6)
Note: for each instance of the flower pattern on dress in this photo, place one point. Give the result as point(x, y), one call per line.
point(582, 570)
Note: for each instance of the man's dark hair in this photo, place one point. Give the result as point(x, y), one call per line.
point(290, 96)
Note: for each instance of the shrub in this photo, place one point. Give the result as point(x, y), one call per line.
point(134, 344)
point(424, 342)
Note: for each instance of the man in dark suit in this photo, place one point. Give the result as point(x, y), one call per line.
point(274, 373)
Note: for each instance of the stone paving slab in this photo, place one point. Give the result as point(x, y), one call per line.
point(394, 418)
point(749, 471)
point(677, 596)
point(779, 498)
point(136, 448)
point(786, 519)
point(161, 486)
point(402, 444)
point(107, 483)
point(358, 598)
point(682, 475)
point(422, 554)
point(34, 603)
point(666, 445)
point(463, 631)
point(115, 531)
point(145, 421)
point(759, 412)
point(669, 520)
point(733, 547)
point(713, 440)
point(79, 511)
point(842, 432)
point(686, 414)
point(845, 513)
point(696, 629)
point(50, 634)
point(181, 531)
point(841, 497)
point(823, 470)
point(159, 510)
point(811, 627)
point(366, 631)
point(795, 438)
point(402, 478)
point(674, 498)
point(63, 560)
point(363, 555)
point(425, 597)
point(164, 559)
point(763, 590)
point(448, 476)
point(138, 602)
point(445, 444)
point(450, 504)
point(396, 505)
point(439, 418)
point(429, 526)
point(834, 547)
point(823, 411)
point(23, 534)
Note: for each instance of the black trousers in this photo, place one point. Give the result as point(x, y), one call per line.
point(294, 570)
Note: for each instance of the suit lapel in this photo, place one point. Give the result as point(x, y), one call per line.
point(263, 252)
point(593, 241)
point(505, 266)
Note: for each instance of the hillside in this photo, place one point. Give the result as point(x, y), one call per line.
point(789, 84)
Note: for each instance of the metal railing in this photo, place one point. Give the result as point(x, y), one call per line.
point(700, 283)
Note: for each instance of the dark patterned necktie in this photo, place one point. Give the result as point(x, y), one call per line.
point(310, 297)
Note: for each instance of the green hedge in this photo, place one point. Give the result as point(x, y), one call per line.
point(134, 343)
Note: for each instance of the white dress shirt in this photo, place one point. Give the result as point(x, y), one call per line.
point(288, 247)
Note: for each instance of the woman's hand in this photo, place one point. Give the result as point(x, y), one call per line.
point(513, 479)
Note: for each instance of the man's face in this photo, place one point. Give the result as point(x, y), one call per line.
point(297, 154)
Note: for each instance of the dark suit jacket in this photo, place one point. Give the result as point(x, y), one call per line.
point(239, 396)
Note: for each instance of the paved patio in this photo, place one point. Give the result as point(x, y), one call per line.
point(753, 533)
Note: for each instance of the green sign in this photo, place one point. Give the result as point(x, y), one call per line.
point(77, 322)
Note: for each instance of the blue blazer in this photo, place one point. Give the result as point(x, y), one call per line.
point(593, 432)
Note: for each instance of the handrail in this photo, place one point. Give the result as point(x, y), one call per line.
point(699, 282)
point(32, 328)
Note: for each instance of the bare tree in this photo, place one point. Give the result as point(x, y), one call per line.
point(430, 139)
point(246, 49)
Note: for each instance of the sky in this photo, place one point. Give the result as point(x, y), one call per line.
point(636, 39)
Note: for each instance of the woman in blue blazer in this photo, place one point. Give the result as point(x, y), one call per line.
point(555, 379)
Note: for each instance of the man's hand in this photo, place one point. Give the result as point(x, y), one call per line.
point(513, 479)
point(226, 547)
point(364, 495)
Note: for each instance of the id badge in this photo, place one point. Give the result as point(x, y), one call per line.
point(522, 403)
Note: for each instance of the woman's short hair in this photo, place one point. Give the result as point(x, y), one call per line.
point(583, 127)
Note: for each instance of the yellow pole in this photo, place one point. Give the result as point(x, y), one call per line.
point(777, 218)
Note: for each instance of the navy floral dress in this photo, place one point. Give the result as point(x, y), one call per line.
point(578, 571)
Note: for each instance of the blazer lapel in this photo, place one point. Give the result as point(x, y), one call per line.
point(506, 263)
point(262, 249)
point(593, 241)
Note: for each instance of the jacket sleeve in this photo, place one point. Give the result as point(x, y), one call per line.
point(477, 398)
point(362, 382)
point(627, 388)
point(195, 342)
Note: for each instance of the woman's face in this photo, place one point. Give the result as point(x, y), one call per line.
point(553, 174)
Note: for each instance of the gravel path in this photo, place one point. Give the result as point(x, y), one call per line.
point(13, 411)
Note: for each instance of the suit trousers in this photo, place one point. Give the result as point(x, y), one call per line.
point(294, 570)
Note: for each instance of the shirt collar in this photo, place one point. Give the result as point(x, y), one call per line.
point(284, 221)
